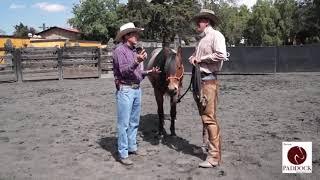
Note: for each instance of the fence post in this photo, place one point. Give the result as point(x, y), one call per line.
point(60, 67)
point(276, 59)
point(110, 47)
point(99, 61)
point(17, 63)
point(8, 59)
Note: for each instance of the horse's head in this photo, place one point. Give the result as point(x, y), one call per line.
point(170, 63)
point(174, 70)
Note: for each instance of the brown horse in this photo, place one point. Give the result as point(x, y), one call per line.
point(168, 82)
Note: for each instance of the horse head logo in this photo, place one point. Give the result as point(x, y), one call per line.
point(297, 155)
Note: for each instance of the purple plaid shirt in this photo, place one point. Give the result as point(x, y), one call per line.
point(125, 69)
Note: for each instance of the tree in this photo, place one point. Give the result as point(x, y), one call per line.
point(132, 12)
point(262, 25)
point(183, 12)
point(285, 24)
point(270, 22)
point(32, 30)
point(307, 21)
point(97, 19)
point(162, 19)
point(213, 4)
point(233, 22)
point(233, 19)
point(172, 18)
point(23, 31)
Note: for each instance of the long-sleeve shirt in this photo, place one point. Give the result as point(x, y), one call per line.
point(125, 69)
point(211, 51)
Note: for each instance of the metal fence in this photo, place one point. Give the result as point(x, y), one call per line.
point(276, 59)
point(298, 59)
point(262, 60)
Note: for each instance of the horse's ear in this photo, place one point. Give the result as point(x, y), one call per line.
point(179, 50)
point(166, 51)
point(179, 54)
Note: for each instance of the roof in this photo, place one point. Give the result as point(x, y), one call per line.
point(65, 29)
point(13, 37)
point(62, 40)
point(7, 36)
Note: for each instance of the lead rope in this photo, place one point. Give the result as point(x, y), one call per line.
point(189, 88)
point(193, 82)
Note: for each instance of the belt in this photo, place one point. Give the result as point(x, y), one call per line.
point(133, 86)
point(208, 76)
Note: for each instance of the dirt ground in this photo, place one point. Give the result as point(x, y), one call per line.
point(66, 130)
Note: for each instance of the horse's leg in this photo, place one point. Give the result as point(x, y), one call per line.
point(159, 99)
point(173, 113)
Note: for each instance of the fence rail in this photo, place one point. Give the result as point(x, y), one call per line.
point(7, 69)
point(25, 64)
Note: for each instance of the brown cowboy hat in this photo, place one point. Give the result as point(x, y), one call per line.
point(208, 14)
point(125, 29)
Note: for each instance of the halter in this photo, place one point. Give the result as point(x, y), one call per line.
point(176, 68)
point(176, 77)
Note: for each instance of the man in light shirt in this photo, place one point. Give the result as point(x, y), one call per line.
point(209, 55)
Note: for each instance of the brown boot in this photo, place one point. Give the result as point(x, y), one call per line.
point(206, 164)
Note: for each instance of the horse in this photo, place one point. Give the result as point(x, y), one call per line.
point(167, 82)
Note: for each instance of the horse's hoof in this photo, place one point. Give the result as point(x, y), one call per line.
point(160, 136)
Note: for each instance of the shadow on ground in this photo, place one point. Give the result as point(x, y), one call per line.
point(149, 133)
point(148, 130)
point(109, 144)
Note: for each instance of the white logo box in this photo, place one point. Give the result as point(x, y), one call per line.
point(305, 167)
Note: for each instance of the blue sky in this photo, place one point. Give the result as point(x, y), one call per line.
point(35, 12)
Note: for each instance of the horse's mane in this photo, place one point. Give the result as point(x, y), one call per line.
point(164, 58)
point(170, 65)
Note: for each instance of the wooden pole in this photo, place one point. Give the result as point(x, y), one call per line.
point(9, 59)
point(18, 65)
point(276, 60)
point(99, 61)
point(60, 65)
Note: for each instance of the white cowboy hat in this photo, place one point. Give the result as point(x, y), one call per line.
point(125, 29)
point(208, 14)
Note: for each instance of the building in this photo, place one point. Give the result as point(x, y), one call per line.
point(52, 37)
point(56, 37)
point(16, 42)
point(60, 33)
point(62, 43)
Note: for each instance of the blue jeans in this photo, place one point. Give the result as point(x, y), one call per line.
point(128, 111)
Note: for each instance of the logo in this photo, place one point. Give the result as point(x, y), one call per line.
point(296, 157)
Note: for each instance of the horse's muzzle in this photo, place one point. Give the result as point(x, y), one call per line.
point(173, 92)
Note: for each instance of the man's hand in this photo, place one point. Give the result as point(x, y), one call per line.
point(142, 56)
point(155, 70)
point(193, 60)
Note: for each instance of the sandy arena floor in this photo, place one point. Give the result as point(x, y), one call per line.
point(66, 130)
